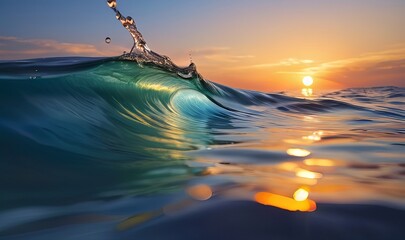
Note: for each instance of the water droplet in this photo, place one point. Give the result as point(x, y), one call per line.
point(107, 40)
point(191, 57)
point(118, 15)
point(141, 47)
point(123, 20)
point(112, 3)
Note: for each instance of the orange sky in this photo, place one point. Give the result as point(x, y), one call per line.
point(380, 68)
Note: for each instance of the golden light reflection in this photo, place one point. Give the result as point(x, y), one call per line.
point(301, 195)
point(138, 219)
point(293, 141)
point(310, 119)
point(320, 132)
point(200, 192)
point(298, 152)
point(155, 87)
point(307, 174)
point(307, 92)
point(315, 136)
point(319, 162)
point(288, 166)
point(286, 203)
point(212, 171)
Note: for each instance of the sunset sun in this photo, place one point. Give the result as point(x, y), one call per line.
point(308, 81)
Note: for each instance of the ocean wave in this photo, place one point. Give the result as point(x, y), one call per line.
point(121, 119)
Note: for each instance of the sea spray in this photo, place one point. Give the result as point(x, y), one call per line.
point(141, 53)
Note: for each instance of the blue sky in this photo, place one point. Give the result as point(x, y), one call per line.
point(231, 40)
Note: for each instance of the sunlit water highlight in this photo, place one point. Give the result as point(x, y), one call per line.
point(135, 148)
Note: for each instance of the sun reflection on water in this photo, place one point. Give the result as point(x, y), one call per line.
point(298, 152)
point(307, 92)
point(301, 194)
point(290, 183)
point(308, 174)
point(286, 203)
point(320, 162)
point(315, 136)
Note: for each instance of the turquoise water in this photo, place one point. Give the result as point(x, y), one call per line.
point(104, 148)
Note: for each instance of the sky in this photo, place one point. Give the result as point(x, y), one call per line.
point(266, 45)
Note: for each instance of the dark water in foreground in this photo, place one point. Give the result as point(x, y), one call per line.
point(106, 149)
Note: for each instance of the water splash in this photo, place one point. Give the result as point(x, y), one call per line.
point(141, 53)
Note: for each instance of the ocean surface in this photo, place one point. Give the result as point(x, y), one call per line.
point(106, 148)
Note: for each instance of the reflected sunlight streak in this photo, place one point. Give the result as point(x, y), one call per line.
point(286, 203)
point(315, 136)
point(307, 92)
point(296, 152)
point(307, 174)
point(301, 195)
point(319, 162)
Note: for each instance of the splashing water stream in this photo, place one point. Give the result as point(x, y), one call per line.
point(141, 53)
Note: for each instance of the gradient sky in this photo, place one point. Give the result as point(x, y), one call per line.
point(264, 45)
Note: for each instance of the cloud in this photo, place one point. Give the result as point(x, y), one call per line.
point(371, 69)
point(283, 63)
point(362, 62)
point(17, 48)
point(218, 54)
point(286, 62)
point(210, 51)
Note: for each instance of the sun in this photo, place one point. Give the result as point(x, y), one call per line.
point(308, 81)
